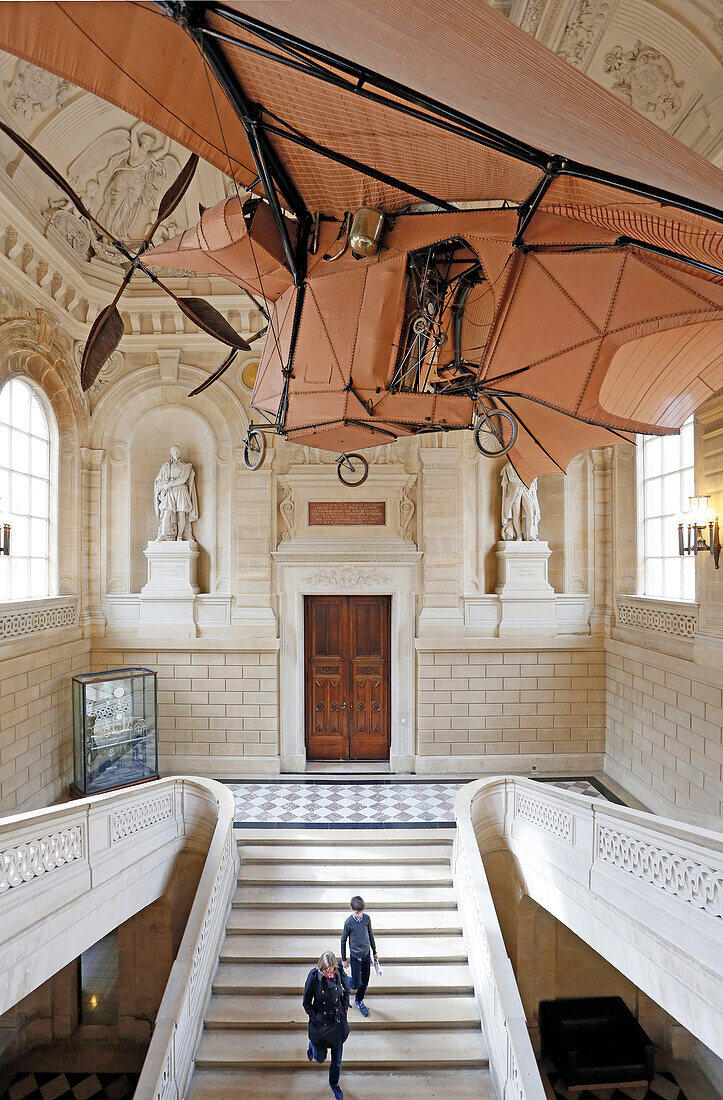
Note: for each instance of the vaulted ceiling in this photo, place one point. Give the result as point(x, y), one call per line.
point(664, 59)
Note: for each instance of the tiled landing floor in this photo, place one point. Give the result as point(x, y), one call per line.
point(662, 1087)
point(71, 1086)
point(362, 804)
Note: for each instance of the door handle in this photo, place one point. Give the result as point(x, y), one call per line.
point(343, 706)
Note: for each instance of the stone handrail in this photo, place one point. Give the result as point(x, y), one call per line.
point(70, 874)
point(512, 1059)
point(645, 892)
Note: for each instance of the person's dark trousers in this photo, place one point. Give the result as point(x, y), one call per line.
point(335, 1066)
point(360, 971)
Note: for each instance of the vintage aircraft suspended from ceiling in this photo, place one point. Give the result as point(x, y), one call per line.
point(453, 228)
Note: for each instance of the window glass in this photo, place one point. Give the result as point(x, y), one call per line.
point(665, 468)
point(24, 492)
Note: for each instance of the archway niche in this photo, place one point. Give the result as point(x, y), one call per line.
point(157, 431)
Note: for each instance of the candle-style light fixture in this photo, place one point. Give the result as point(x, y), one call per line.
point(700, 517)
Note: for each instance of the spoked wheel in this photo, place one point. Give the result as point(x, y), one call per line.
point(495, 433)
point(353, 469)
point(254, 448)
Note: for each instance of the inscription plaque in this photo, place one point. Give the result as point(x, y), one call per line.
point(353, 513)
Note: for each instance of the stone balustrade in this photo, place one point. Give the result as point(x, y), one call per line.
point(645, 892)
point(70, 874)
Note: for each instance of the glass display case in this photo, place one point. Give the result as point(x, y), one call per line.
point(115, 739)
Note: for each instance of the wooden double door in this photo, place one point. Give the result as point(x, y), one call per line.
point(347, 667)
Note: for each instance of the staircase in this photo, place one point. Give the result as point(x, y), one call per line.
point(422, 1038)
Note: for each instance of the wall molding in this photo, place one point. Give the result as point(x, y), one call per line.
point(141, 815)
point(674, 618)
point(672, 872)
point(550, 818)
point(37, 857)
point(17, 620)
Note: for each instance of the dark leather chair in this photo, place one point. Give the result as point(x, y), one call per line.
point(595, 1041)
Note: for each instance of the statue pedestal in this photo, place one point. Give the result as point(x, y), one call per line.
point(170, 592)
point(527, 599)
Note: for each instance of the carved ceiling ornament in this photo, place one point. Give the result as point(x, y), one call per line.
point(33, 91)
point(582, 31)
point(644, 78)
point(120, 176)
point(531, 15)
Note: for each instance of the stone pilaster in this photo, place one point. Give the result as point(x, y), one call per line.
point(440, 537)
point(92, 473)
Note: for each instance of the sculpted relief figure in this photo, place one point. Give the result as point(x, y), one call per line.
point(520, 507)
point(175, 498)
point(121, 174)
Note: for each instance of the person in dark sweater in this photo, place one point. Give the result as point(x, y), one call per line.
point(326, 1003)
point(358, 932)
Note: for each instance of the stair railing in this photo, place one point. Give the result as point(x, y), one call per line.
point(643, 891)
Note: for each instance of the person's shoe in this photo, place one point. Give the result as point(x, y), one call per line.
point(310, 1053)
point(338, 1094)
point(362, 1008)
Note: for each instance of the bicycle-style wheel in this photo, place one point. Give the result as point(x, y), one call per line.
point(254, 449)
point(495, 433)
point(353, 469)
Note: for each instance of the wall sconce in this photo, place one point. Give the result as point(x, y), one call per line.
point(700, 517)
point(4, 534)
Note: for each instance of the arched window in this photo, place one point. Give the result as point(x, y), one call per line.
point(665, 468)
point(25, 491)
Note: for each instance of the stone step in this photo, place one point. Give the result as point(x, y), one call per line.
point(411, 978)
point(293, 873)
point(279, 1013)
point(331, 854)
point(391, 897)
point(296, 948)
point(310, 1083)
point(329, 922)
point(377, 837)
point(258, 1049)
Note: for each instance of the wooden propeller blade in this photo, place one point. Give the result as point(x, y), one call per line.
point(53, 174)
point(175, 193)
point(216, 374)
point(211, 321)
point(103, 338)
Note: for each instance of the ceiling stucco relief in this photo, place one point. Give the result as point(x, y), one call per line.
point(644, 78)
point(583, 30)
point(664, 60)
point(33, 91)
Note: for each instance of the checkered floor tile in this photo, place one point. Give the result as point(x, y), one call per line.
point(71, 1086)
point(357, 803)
point(662, 1087)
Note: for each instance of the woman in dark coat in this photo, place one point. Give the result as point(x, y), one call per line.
point(326, 1003)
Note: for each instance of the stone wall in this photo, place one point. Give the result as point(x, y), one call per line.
point(664, 684)
point(36, 734)
point(664, 724)
point(218, 710)
point(495, 709)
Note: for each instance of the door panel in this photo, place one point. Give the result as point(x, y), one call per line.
point(326, 672)
point(369, 644)
point(347, 655)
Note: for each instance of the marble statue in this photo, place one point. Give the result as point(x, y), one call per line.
point(520, 507)
point(175, 498)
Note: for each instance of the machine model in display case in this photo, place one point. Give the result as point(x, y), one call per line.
point(115, 740)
